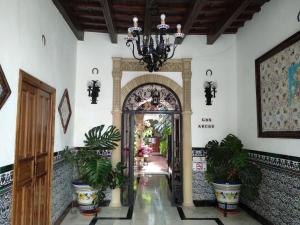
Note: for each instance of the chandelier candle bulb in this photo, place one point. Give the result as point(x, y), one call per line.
point(178, 28)
point(153, 50)
point(135, 21)
point(162, 18)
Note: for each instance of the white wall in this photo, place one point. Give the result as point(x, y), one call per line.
point(22, 23)
point(97, 51)
point(276, 22)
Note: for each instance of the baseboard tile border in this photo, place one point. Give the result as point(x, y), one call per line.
point(248, 210)
point(183, 217)
point(63, 215)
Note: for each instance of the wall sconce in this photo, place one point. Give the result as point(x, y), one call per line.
point(93, 90)
point(210, 89)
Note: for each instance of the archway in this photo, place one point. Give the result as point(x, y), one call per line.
point(174, 65)
point(151, 138)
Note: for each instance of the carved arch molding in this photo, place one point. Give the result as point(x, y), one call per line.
point(184, 94)
point(173, 65)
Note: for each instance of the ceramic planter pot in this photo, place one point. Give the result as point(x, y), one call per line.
point(81, 186)
point(87, 199)
point(86, 196)
point(227, 193)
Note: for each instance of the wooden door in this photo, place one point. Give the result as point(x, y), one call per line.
point(34, 150)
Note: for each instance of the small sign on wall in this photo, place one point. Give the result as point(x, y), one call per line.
point(199, 160)
point(206, 123)
point(199, 166)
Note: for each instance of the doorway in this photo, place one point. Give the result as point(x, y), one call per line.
point(34, 152)
point(151, 138)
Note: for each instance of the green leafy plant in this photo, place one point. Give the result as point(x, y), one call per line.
point(164, 128)
point(147, 133)
point(163, 147)
point(94, 169)
point(228, 162)
point(98, 139)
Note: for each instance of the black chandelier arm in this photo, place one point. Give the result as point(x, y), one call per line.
point(130, 42)
point(152, 49)
point(138, 44)
point(174, 47)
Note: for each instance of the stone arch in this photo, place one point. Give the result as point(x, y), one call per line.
point(151, 78)
point(173, 65)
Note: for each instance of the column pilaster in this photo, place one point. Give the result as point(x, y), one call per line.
point(116, 114)
point(187, 134)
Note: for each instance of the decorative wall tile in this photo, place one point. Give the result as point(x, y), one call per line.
point(279, 193)
point(289, 163)
point(202, 190)
point(6, 178)
point(5, 204)
point(279, 199)
point(62, 190)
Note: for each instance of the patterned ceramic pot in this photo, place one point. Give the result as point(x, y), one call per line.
point(227, 193)
point(86, 197)
point(81, 186)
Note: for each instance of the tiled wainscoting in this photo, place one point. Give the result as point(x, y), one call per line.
point(6, 178)
point(202, 190)
point(61, 192)
point(279, 199)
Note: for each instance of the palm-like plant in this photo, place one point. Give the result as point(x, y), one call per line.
point(98, 139)
point(94, 169)
point(228, 162)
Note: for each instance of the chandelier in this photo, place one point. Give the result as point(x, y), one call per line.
point(154, 50)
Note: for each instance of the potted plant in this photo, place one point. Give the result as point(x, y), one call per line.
point(95, 172)
point(231, 172)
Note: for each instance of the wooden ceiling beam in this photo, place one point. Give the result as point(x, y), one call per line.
point(90, 16)
point(109, 21)
point(92, 19)
point(126, 8)
point(87, 5)
point(93, 24)
point(225, 23)
point(193, 14)
point(93, 29)
point(147, 17)
point(79, 34)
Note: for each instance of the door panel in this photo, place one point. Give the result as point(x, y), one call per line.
point(34, 149)
point(177, 161)
point(42, 155)
point(24, 203)
point(127, 194)
point(27, 122)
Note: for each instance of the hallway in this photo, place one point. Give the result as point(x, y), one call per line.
point(156, 164)
point(153, 207)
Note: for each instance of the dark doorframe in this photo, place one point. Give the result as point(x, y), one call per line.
point(175, 179)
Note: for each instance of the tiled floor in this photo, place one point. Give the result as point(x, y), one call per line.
point(157, 164)
point(152, 207)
